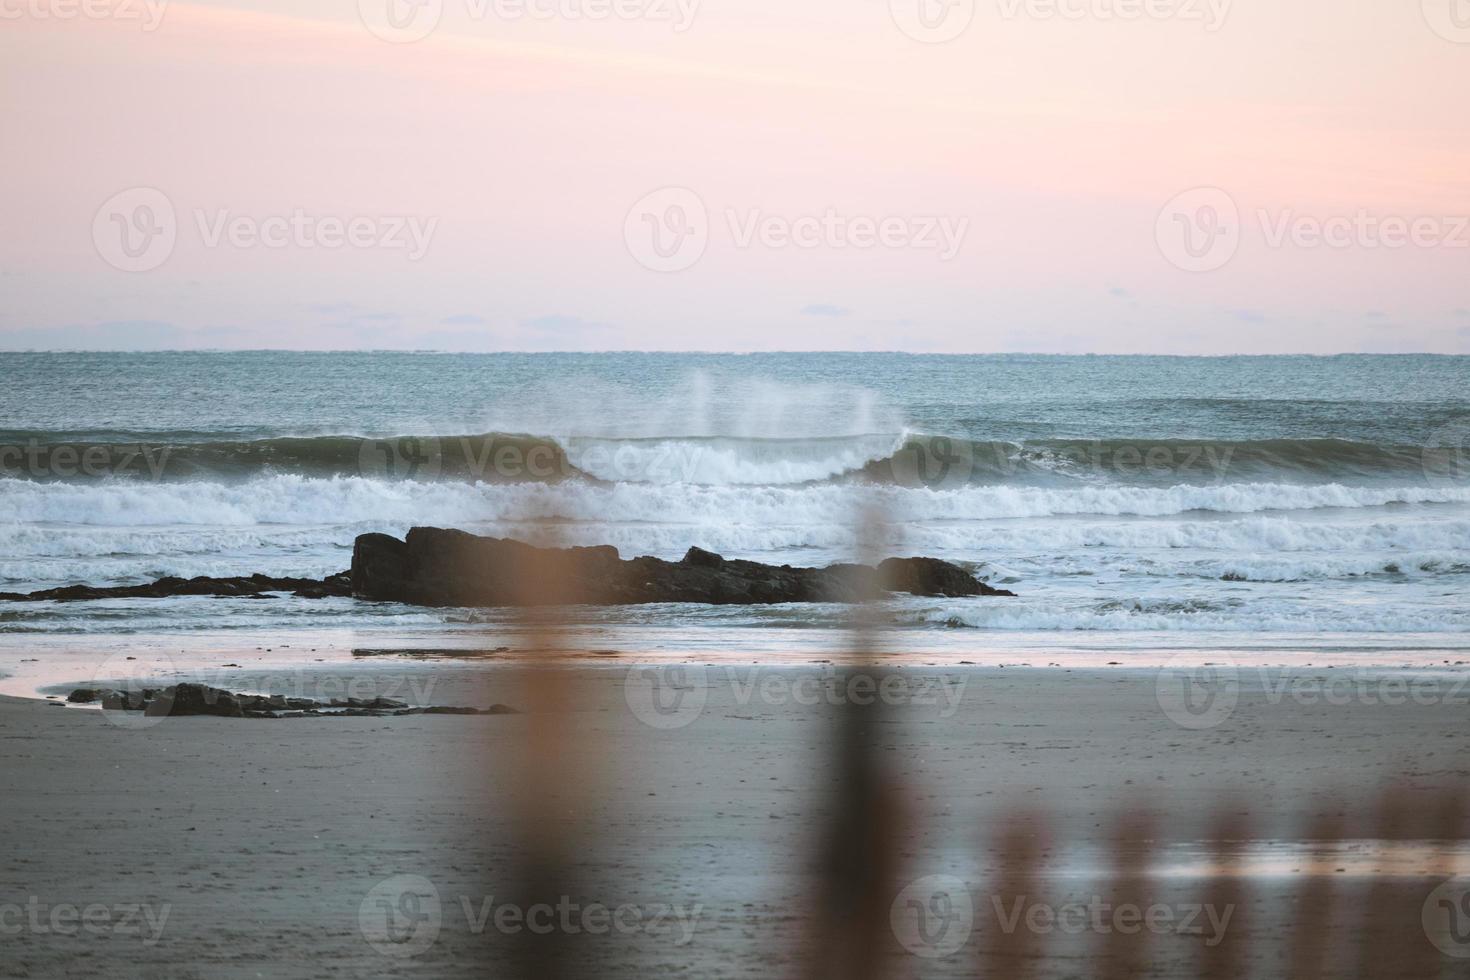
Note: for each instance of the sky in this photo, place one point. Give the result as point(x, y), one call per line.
point(1069, 176)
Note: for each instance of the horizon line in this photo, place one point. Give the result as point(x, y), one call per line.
point(722, 353)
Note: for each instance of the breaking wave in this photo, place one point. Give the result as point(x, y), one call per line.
point(290, 499)
point(901, 458)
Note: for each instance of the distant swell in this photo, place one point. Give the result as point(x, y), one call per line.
point(929, 460)
point(493, 457)
point(902, 459)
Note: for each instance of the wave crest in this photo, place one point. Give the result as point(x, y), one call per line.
point(905, 459)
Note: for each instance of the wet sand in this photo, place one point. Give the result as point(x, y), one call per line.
point(288, 847)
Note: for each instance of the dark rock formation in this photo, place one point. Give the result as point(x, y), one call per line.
point(930, 577)
point(198, 699)
point(195, 699)
point(249, 586)
point(437, 567)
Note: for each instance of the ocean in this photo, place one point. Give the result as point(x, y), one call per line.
point(1302, 503)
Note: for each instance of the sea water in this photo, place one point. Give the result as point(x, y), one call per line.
point(1297, 502)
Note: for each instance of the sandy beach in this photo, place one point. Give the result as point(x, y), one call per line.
point(641, 489)
point(246, 848)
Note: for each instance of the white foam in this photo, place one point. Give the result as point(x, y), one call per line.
point(123, 532)
point(727, 462)
point(303, 501)
point(1172, 616)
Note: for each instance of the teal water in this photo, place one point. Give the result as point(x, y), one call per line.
point(1297, 497)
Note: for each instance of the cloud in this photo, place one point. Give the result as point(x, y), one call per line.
point(559, 323)
point(367, 324)
point(464, 320)
point(1248, 316)
point(1119, 292)
point(825, 309)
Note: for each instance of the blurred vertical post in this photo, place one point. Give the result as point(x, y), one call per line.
point(1314, 902)
point(547, 798)
point(1125, 954)
point(851, 937)
point(1391, 937)
point(1227, 895)
point(1011, 953)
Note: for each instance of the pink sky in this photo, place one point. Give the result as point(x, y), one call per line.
point(1047, 145)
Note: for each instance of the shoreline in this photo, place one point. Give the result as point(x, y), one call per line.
point(38, 666)
point(277, 836)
